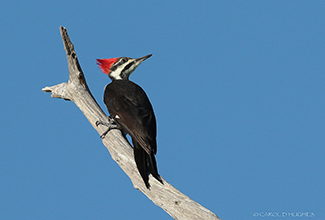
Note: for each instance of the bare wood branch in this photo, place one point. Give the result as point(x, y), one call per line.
point(175, 203)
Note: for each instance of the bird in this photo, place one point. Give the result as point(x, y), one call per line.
point(130, 109)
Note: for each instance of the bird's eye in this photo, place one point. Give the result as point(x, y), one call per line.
point(124, 59)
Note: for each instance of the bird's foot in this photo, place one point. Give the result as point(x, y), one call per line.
point(110, 124)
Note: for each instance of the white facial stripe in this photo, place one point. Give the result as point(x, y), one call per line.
point(116, 74)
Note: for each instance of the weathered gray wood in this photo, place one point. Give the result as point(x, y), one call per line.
point(175, 203)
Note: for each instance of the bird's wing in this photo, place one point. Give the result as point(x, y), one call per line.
point(132, 109)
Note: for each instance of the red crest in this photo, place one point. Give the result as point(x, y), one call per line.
point(105, 64)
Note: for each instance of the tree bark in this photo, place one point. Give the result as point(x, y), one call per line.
point(175, 203)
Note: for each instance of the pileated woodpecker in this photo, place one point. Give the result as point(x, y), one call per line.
point(131, 110)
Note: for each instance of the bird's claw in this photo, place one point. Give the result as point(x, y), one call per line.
point(110, 125)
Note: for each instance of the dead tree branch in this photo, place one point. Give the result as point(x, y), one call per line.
point(175, 203)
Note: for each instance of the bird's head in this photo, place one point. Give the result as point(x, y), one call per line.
point(120, 68)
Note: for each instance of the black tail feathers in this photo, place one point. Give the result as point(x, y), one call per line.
point(146, 164)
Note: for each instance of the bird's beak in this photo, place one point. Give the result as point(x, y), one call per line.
point(141, 59)
point(133, 64)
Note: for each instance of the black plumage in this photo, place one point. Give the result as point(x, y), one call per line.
point(131, 109)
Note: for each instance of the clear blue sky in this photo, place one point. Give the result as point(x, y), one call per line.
point(238, 88)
